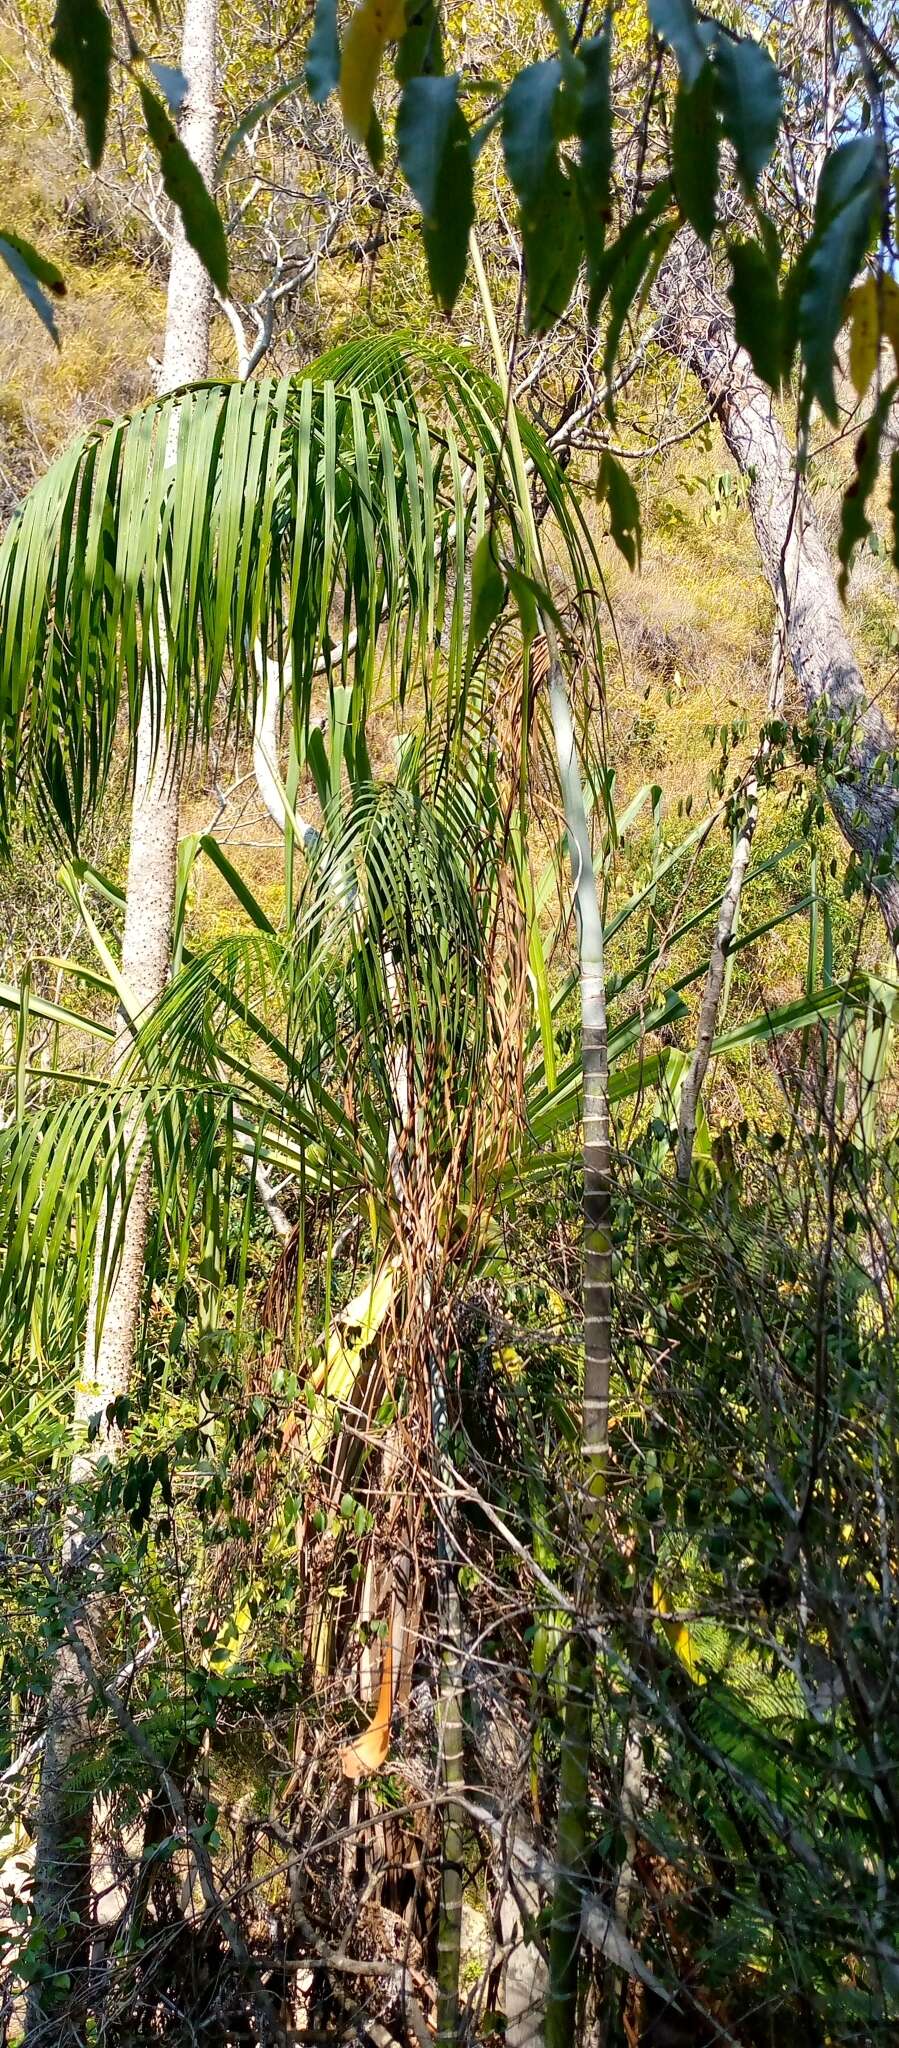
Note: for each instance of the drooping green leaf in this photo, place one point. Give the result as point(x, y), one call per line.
point(374, 140)
point(749, 97)
point(529, 130)
point(82, 44)
point(755, 299)
point(12, 252)
point(622, 253)
point(420, 50)
point(677, 24)
point(488, 589)
point(257, 113)
point(595, 131)
point(631, 280)
point(845, 209)
point(696, 134)
point(433, 139)
point(855, 524)
point(323, 53)
point(616, 488)
point(184, 186)
point(550, 226)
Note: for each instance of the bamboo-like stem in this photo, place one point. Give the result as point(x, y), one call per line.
point(450, 1734)
point(574, 1775)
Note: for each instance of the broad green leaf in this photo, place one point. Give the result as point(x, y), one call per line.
point(82, 44)
point(696, 134)
point(855, 525)
point(529, 127)
point(754, 296)
point(432, 139)
point(616, 488)
point(750, 100)
point(845, 211)
point(550, 226)
point(12, 254)
point(420, 52)
point(260, 108)
point(677, 24)
point(488, 589)
point(594, 175)
point(323, 53)
point(184, 186)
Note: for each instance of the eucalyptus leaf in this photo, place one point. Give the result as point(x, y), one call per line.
point(749, 97)
point(677, 23)
point(82, 44)
point(433, 144)
point(184, 186)
point(755, 299)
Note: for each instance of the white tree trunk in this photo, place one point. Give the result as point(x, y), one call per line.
point(62, 1844)
point(696, 327)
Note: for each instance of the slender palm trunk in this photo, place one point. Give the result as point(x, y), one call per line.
point(574, 1770)
point(62, 1845)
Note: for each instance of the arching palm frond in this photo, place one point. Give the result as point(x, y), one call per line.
point(328, 514)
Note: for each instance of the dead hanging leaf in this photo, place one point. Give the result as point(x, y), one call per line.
point(374, 24)
point(864, 334)
point(873, 317)
point(368, 1752)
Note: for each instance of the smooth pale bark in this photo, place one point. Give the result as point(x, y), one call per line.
point(696, 327)
point(63, 1820)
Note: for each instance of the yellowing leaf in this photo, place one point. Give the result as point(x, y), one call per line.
point(864, 336)
point(890, 311)
point(678, 1634)
point(374, 24)
point(357, 1326)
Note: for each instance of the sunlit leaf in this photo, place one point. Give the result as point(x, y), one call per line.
point(677, 24)
point(616, 488)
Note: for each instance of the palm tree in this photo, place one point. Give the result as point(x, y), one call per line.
point(323, 516)
point(329, 517)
